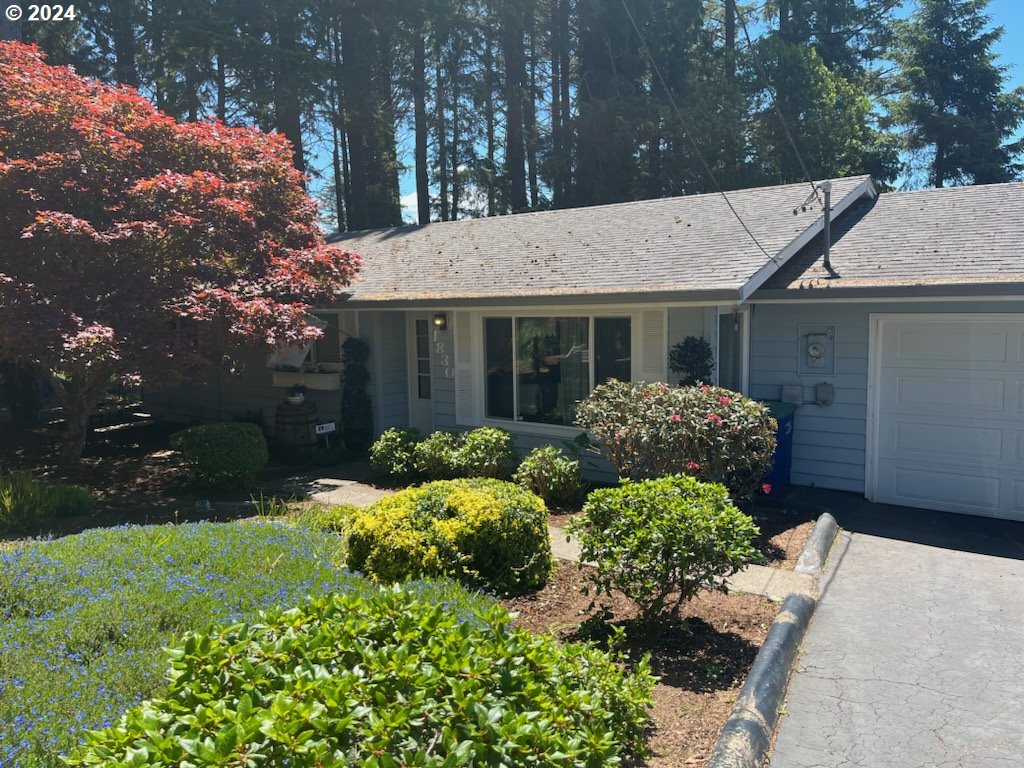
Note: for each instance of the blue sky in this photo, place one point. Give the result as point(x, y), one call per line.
point(1008, 14)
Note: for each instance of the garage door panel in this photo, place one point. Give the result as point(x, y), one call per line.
point(966, 442)
point(949, 413)
point(924, 393)
point(951, 343)
point(924, 488)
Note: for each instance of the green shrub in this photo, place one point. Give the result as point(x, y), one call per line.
point(693, 359)
point(28, 506)
point(334, 519)
point(487, 533)
point(486, 452)
point(391, 456)
point(227, 454)
point(652, 430)
point(659, 542)
point(389, 679)
point(436, 456)
point(552, 475)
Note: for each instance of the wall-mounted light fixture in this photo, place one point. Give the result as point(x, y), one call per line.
point(441, 321)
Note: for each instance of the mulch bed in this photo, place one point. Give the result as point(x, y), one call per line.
point(702, 660)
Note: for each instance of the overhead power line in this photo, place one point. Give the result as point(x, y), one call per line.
point(689, 133)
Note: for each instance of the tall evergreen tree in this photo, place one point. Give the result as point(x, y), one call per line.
point(953, 101)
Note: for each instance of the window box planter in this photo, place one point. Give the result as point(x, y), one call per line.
point(322, 381)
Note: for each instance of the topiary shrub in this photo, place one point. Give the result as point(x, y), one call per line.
point(486, 452)
point(435, 456)
point(652, 430)
point(228, 454)
point(392, 454)
point(487, 533)
point(661, 541)
point(28, 506)
point(552, 475)
point(393, 678)
point(693, 359)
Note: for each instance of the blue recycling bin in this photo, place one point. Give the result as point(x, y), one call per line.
point(782, 459)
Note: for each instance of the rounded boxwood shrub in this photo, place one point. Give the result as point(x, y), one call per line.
point(659, 542)
point(435, 456)
point(552, 475)
point(653, 430)
point(391, 456)
point(393, 678)
point(487, 533)
point(228, 454)
point(486, 452)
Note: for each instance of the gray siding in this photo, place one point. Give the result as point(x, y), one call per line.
point(829, 441)
point(392, 370)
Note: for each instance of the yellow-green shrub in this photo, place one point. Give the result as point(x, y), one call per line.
point(487, 533)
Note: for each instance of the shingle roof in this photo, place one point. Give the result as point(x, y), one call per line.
point(947, 236)
point(681, 244)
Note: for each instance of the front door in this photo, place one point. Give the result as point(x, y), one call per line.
point(421, 405)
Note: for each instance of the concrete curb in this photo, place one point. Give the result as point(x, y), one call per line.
point(744, 740)
point(747, 734)
point(816, 550)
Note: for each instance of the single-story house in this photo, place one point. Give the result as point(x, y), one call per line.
point(906, 362)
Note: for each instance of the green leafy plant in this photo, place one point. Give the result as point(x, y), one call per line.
point(659, 542)
point(552, 475)
point(270, 506)
point(335, 519)
point(356, 407)
point(392, 454)
point(435, 456)
point(393, 678)
point(692, 358)
point(28, 506)
point(487, 533)
point(228, 454)
point(652, 430)
point(486, 452)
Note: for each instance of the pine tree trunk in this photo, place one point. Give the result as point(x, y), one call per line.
point(287, 111)
point(442, 134)
point(515, 156)
point(419, 87)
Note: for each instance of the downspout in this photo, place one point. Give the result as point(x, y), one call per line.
point(826, 187)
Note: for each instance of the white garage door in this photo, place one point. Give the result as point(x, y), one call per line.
point(948, 413)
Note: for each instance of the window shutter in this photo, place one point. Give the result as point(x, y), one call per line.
point(348, 323)
point(653, 347)
point(464, 373)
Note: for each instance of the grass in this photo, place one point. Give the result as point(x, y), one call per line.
point(83, 619)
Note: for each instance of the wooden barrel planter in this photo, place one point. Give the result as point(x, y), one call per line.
point(295, 431)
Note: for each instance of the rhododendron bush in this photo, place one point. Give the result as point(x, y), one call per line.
point(118, 225)
point(654, 430)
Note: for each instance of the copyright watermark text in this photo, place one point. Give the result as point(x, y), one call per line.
point(40, 12)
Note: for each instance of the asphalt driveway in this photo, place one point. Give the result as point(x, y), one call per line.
point(915, 655)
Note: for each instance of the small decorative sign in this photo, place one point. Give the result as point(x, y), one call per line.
point(326, 428)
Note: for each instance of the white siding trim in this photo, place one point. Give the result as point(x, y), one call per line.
point(651, 351)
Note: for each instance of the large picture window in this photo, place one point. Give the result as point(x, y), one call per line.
point(539, 368)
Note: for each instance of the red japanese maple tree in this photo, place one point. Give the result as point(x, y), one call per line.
point(117, 223)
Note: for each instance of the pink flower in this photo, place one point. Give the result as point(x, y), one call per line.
point(620, 434)
point(692, 465)
point(675, 417)
point(714, 418)
point(725, 400)
point(766, 488)
point(705, 388)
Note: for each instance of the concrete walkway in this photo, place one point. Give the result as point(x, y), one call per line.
point(350, 486)
point(915, 655)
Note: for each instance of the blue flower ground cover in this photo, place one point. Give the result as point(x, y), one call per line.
point(83, 619)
